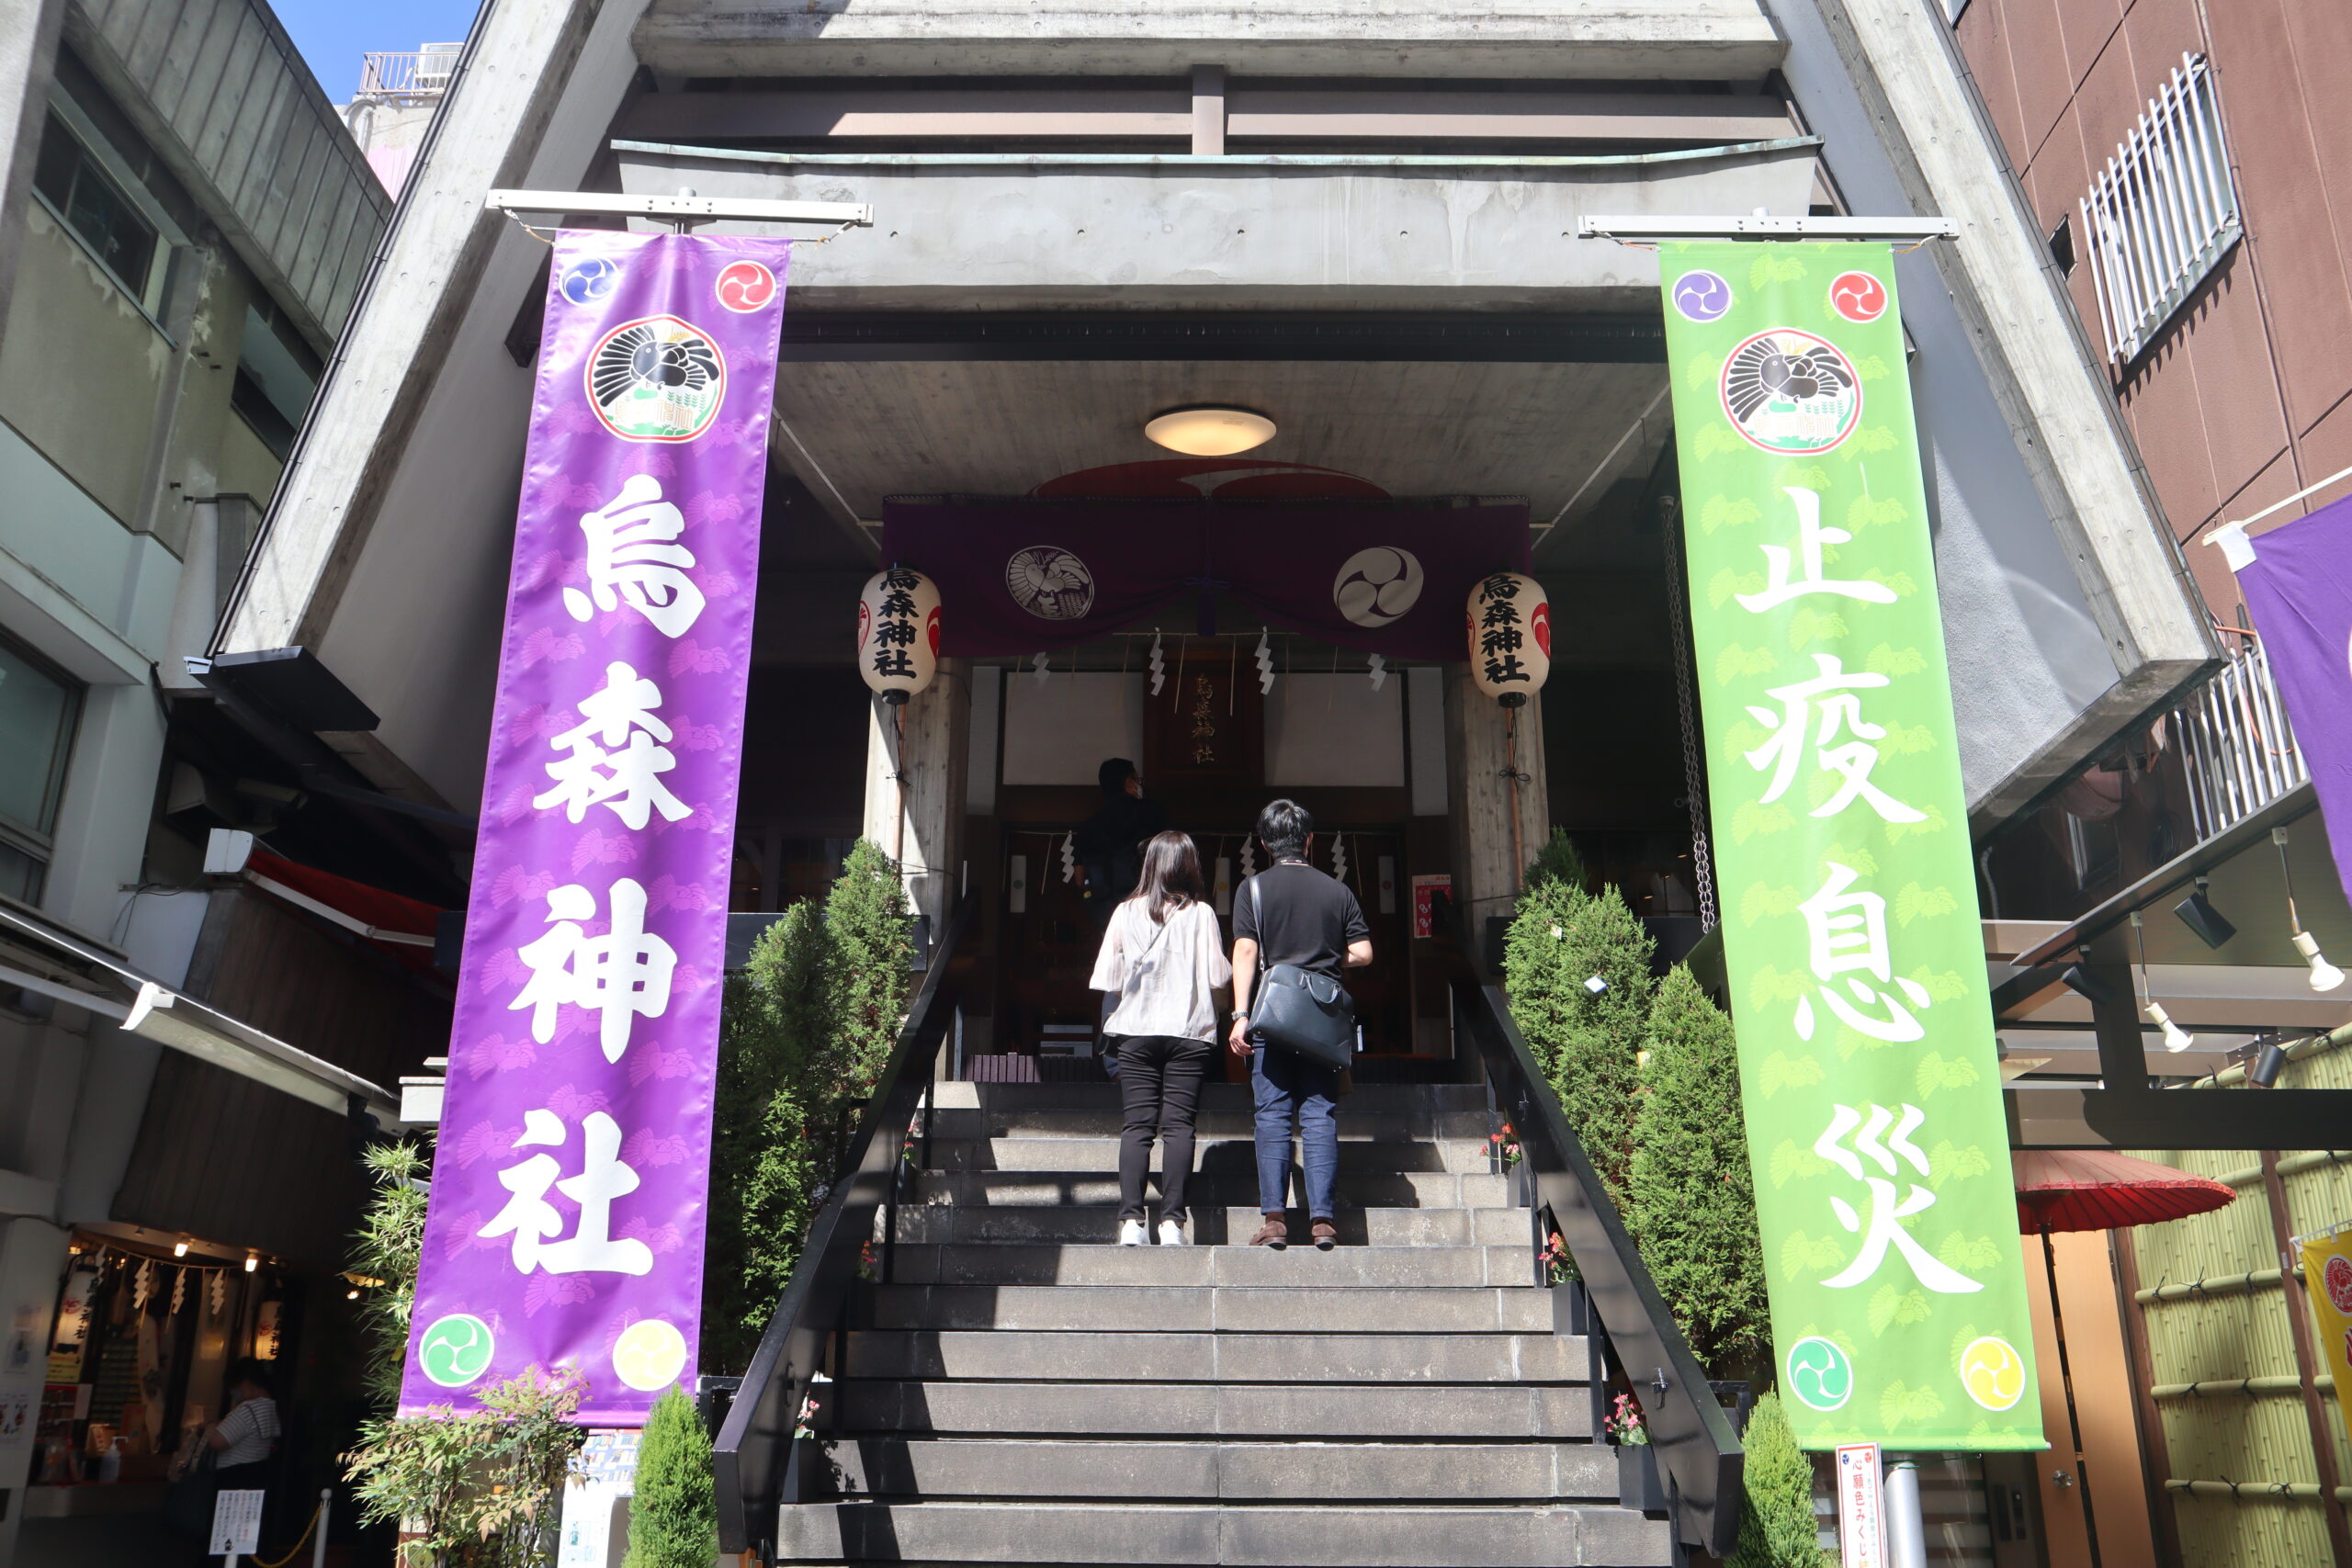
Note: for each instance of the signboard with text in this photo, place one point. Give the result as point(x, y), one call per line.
point(1850, 935)
point(566, 1222)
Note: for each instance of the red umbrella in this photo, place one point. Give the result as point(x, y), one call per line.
point(2098, 1190)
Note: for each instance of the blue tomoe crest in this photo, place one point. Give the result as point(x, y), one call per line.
point(591, 280)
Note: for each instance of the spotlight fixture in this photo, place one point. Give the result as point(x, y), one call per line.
point(1595, 983)
point(2264, 1071)
point(1210, 432)
point(2325, 976)
point(253, 1262)
point(179, 1249)
point(2088, 987)
point(2197, 912)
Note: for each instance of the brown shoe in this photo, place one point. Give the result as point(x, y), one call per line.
point(1274, 1233)
point(1326, 1235)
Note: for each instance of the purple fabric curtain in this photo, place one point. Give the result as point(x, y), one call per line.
point(2298, 590)
point(1022, 575)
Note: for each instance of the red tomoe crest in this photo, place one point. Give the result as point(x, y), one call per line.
point(1538, 626)
point(931, 628)
point(864, 624)
point(745, 286)
point(1858, 296)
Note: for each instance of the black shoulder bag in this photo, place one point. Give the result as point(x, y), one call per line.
point(1308, 1014)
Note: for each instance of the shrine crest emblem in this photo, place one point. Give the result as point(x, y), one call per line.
point(1051, 584)
point(1789, 391)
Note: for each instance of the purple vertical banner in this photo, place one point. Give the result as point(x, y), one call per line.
point(2298, 587)
point(566, 1223)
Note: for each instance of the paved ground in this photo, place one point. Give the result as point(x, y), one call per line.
point(105, 1540)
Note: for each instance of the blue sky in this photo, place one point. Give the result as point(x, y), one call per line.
point(334, 34)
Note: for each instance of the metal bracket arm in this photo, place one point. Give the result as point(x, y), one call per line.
point(1757, 226)
point(747, 210)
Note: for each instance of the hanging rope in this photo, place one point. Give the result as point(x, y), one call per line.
point(1694, 776)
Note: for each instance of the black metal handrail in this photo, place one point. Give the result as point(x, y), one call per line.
point(1697, 1448)
point(752, 1458)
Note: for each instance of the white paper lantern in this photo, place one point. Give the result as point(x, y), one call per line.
point(1510, 636)
point(897, 633)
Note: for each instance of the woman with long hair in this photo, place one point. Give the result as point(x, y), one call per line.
point(1165, 958)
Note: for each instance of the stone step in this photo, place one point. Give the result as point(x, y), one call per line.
point(1106, 1121)
point(1214, 1226)
point(1020, 1355)
point(1298, 1412)
point(1236, 1156)
point(1371, 1189)
point(1379, 1098)
point(1262, 1310)
point(1256, 1471)
point(1271, 1535)
point(1002, 1263)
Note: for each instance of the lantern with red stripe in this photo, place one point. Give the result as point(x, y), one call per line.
point(897, 633)
point(1510, 636)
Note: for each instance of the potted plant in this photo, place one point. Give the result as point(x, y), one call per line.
point(1638, 1483)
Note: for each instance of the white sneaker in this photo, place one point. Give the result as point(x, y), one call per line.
point(1172, 1233)
point(1131, 1233)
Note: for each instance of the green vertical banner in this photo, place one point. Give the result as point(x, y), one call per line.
point(1855, 962)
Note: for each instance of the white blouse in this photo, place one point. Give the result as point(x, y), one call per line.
point(1164, 974)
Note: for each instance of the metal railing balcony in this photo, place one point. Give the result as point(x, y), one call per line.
point(418, 74)
point(2235, 746)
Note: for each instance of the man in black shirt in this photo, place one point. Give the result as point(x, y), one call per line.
point(1292, 913)
point(1110, 844)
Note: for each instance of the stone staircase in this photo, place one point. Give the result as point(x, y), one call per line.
point(1024, 1392)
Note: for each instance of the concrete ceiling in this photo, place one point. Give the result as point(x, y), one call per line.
point(1558, 434)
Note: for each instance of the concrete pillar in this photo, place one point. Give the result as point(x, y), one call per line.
point(29, 31)
point(33, 1257)
point(1484, 745)
point(916, 758)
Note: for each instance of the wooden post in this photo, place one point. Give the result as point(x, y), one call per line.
point(1495, 792)
point(915, 759)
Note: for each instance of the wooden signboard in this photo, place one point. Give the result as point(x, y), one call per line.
point(1207, 725)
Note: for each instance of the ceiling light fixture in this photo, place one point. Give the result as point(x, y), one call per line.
point(253, 1262)
point(179, 1249)
point(1210, 432)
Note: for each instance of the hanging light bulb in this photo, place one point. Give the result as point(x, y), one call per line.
point(253, 1262)
point(179, 1249)
point(2325, 976)
point(2176, 1038)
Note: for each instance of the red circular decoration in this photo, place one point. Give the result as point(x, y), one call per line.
point(930, 625)
point(1539, 626)
point(1858, 297)
point(2339, 1282)
point(864, 624)
point(746, 287)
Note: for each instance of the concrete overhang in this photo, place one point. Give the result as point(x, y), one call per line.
point(1143, 232)
point(1693, 40)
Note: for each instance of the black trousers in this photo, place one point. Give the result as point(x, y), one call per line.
point(1160, 1082)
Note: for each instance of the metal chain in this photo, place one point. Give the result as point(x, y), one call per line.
point(1694, 776)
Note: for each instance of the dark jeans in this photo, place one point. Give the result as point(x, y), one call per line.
point(1289, 1087)
point(1160, 1082)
